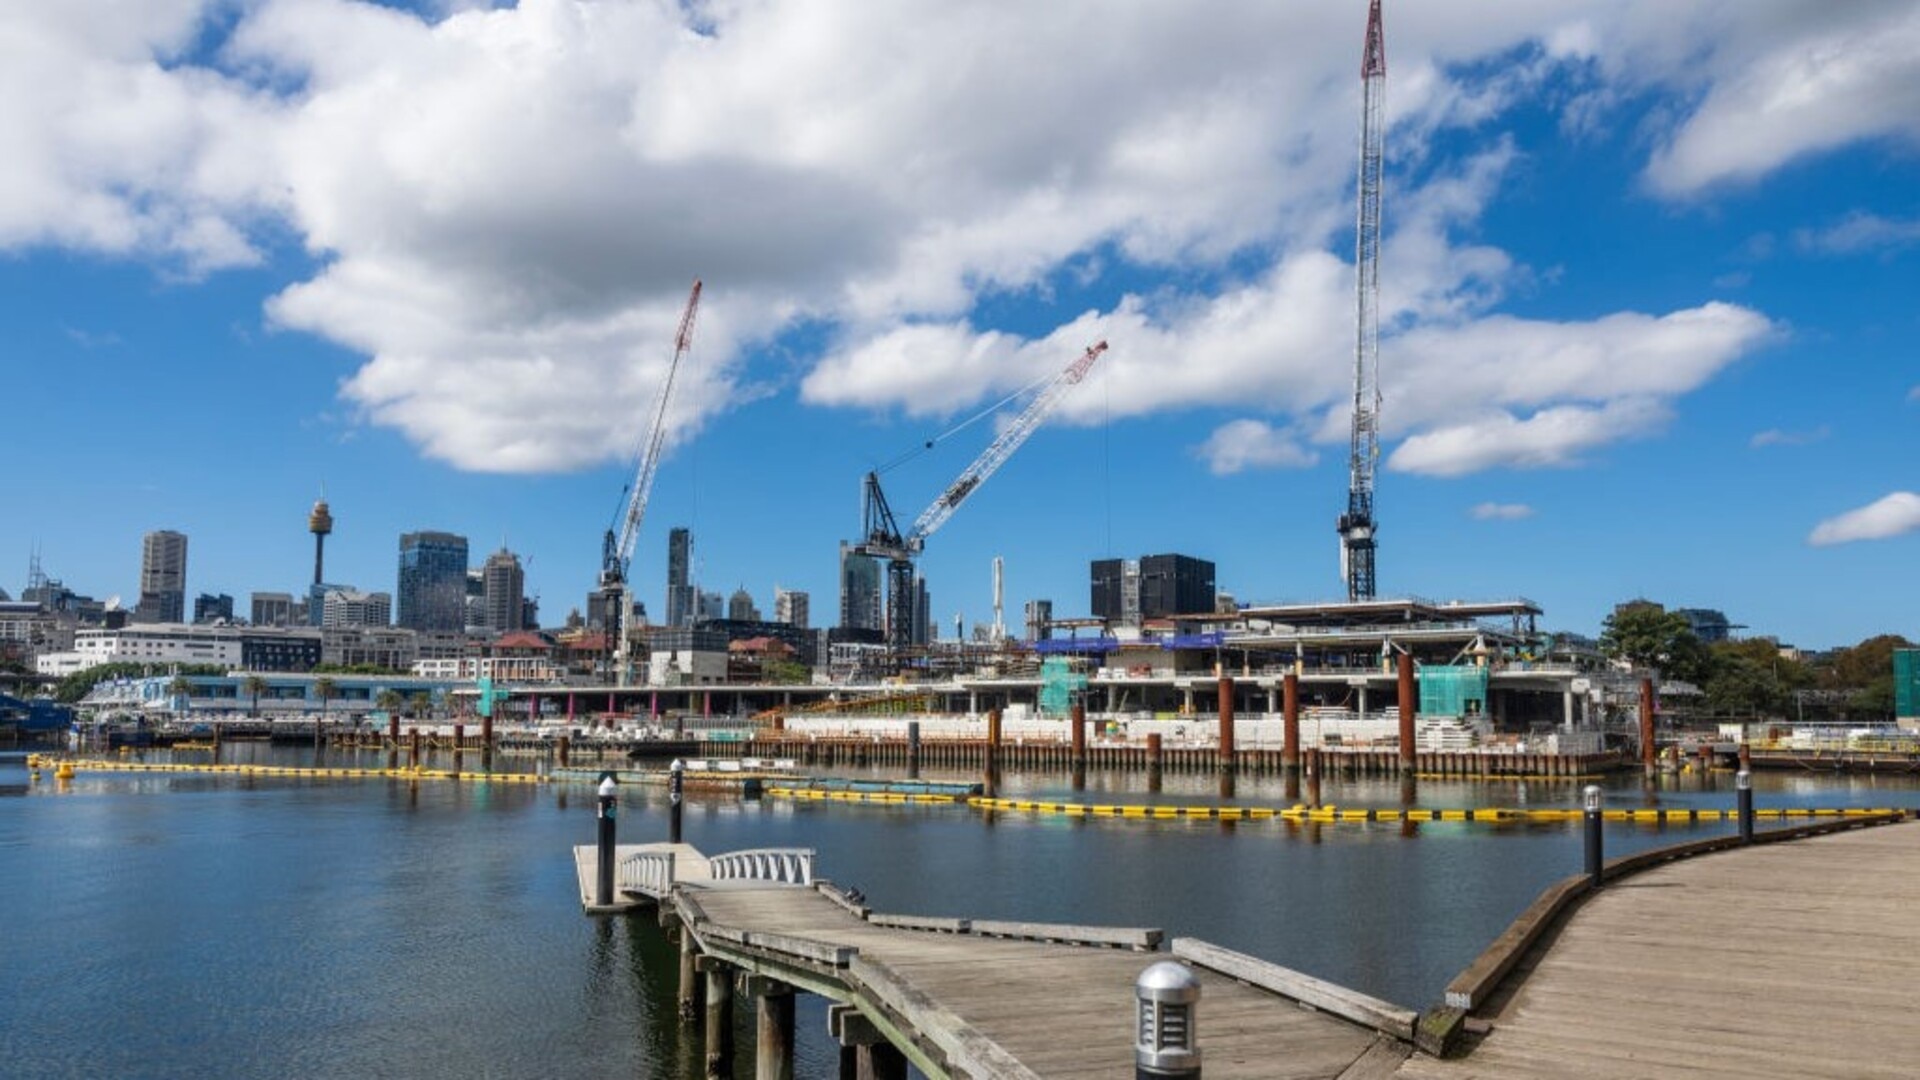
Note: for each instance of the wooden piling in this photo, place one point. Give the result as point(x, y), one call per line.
point(1290, 723)
point(773, 1041)
point(1647, 760)
point(719, 1019)
point(1407, 706)
point(1078, 718)
point(1226, 720)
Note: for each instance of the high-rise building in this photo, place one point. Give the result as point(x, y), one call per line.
point(711, 605)
point(503, 586)
point(740, 606)
point(1126, 591)
point(163, 578)
point(432, 587)
point(680, 593)
point(862, 603)
point(208, 608)
point(272, 609)
point(923, 631)
point(342, 607)
point(790, 607)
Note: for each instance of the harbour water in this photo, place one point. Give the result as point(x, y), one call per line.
point(173, 925)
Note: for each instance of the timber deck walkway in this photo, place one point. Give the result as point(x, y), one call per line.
point(1778, 960)
point(980, 998)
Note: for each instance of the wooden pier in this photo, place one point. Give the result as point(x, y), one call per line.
point(973, 997)
point(1778, 960)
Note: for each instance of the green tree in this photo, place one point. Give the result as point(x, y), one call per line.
point(325, 689)
point(419, 702)
point(1864, 675)
point(1750, 678)
point(1648, 637)
point(388, 700)
point(255, 685)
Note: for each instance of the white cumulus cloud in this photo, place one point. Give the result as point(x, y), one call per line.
point(1782, 437)
point(1888, 516)
point(504, 205)
point(1859, 232)
point(1493, 511)
point(1251, 444)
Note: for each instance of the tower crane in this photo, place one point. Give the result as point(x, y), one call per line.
point(884, 538)
point(1356, 526)
point(616, 549)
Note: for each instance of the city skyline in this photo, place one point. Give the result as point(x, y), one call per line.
point(1646, 326)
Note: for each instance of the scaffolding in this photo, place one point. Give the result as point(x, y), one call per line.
point(1453, 690)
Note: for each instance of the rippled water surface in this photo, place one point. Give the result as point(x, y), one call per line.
point(175, 926)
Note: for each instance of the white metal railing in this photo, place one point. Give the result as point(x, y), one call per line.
point(649, 872)
point(789, 866)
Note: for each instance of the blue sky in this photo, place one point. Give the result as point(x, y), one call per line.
point(1648, 292)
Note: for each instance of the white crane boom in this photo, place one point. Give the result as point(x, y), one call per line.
point(622, 551)
point(1002, 448)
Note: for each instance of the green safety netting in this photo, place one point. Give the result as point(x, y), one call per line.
point(1906, 683)
point(1058, 685)
point(1453, 691)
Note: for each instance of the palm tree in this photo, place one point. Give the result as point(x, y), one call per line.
point(255, 685)
point(420, 701)
point(182, 690)
point(323, 688)
point(388, 700)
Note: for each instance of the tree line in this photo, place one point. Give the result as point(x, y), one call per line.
point(1752, 678)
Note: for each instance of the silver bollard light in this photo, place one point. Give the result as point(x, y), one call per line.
point(1591, 797)
point(1743, 785)
point(1165, 1043)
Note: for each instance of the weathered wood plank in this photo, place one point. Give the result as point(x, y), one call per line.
point(1360, 1008)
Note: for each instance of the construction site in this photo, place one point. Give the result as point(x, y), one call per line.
point(1153, 659)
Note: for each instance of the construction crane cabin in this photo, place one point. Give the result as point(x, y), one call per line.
point(1357, 526)
point(616, 548)
point(882, 537)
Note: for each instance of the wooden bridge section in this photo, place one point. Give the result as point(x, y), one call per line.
point(1779, 960)
point(978, 998)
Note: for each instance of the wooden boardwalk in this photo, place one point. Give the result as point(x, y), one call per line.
point(965, 1004)
point(1782, 960)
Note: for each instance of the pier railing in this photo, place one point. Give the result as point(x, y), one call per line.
point(650, 873)
point(791, 866)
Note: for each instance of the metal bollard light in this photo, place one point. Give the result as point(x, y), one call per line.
point(1165, 1040)
point(603, 886)
point(675, 786)
point(1743, 787)
point(1590, 796)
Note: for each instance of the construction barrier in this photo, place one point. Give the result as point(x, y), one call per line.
point(85, 765)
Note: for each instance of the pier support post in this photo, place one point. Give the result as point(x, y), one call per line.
point(913, 749)
point(1226, 721)
point(413, 748)
point(719, 1020)
point(864, 1052)
point(993, 737)
point(562, 747)
point(1407, 705)
point(486, 730)
point(773, 1028)
point(1596, 868)
point(676, 798)
point(1290, 722)
point(692, 995)
point(603, 882)
point(1313, 776)
point(1743, 787)
point(1647, 759)
point(393, 732)
point(1077, 719)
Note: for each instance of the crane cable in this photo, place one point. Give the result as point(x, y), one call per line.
point(968, 422)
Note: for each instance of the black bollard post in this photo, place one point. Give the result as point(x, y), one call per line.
point(1595, 867)
point(603, 887)
point(675, 787)
point(1743, 785)
point(1166, 1044)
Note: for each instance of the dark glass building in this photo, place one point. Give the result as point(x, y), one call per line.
point(432, 590)
point(1152, 587)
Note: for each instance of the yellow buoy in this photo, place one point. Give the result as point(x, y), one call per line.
point(64, 772)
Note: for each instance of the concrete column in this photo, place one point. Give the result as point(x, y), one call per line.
point(1566, 709)
point(1290, 723)
point(1226, 720)
point(1361, 702)
point(1646, 725)
point(773, 1044)
point(1408, 703)
point(1186, 700)
point(570, 706)
point(719, 1017)
point(1273, 699)
point(692, 989)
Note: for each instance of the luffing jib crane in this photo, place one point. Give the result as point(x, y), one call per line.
point(1356, 526)
point(616, 549)
point(883, 536)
